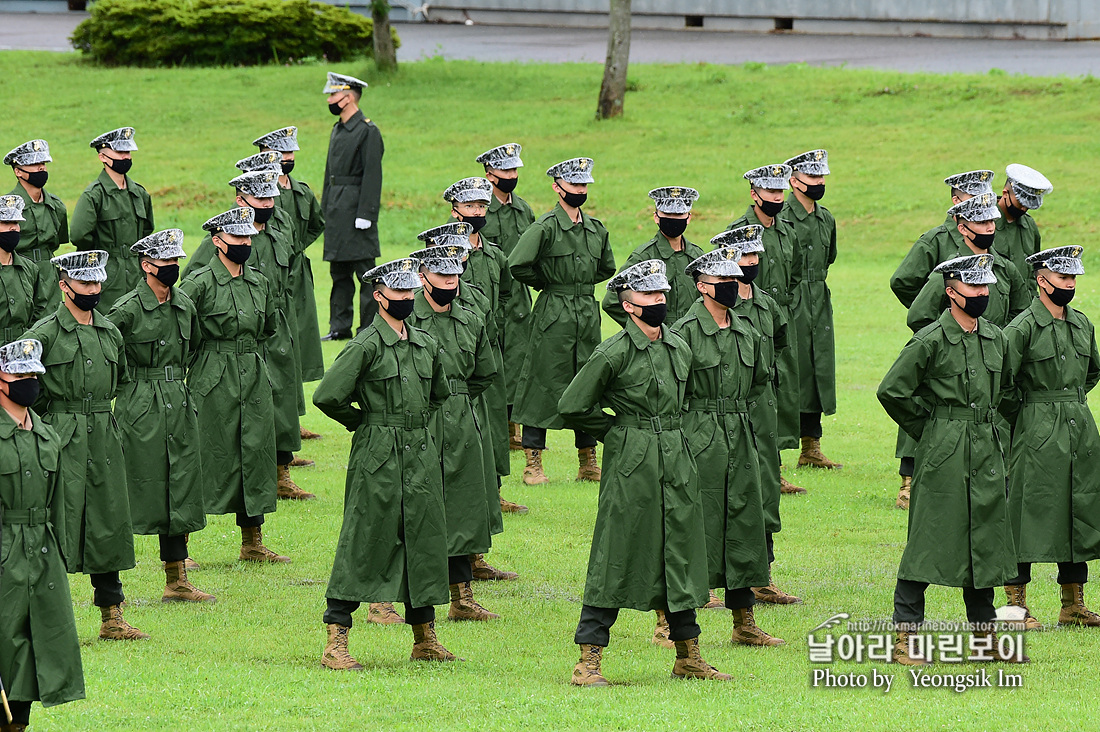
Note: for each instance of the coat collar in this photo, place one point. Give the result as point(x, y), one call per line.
point(149, 301)
point(389, 335)
point(795, 207)
point(353, 121)
point(565, 223)
point(1043, 318)
point(641, 340)
point(8, 426)
point(68, 323)
point(954, 332)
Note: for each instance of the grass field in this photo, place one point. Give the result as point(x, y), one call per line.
point(252, 661)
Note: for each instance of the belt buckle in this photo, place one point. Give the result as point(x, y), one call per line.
point(720, 405)
point(408, 420)
point(86, 405)
point(655, 424)
point(169, 374)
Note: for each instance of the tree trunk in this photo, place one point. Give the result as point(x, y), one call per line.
point(385, 57)
point(613, 88)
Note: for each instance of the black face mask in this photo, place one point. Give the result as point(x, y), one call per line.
point(287, 166)
point(84, 302)
point(651, 315)
point(982, 241)
point(477, 222)
point(168, 274)
point(507, 185)
point(263, 215)
point(121, 166)
point(238, 253)
point(442, 297)
point(399, 309)
point(1060, 296)
point(38, 178)
point(9, 240)
point(576, 200)
point(815, 193)
point(974, 306)
point(770, 208)
point(24, 391)
point(749, 273)
point(726, 293)
point(1012, 211)
point(335, 109)
point(672, 228)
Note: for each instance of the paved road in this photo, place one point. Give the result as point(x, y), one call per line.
point(493, 43)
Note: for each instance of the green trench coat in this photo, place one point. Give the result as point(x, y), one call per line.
point(938, 244)
point(777, 278)
point(683, 293)
point(84, 364)
point(352, 190)
point(727, 372)
point(504, 223)
point(648, 546)
point(24, 297)
point(307, 223)
point(393, 539)
point(812, 306)
point(470, 365)
point(45, 229)
point(155, 411)
point(943, 390)
point(111, 218)
point(1054, 494)
point(563, 261)
point(39, 650)
point(231, 389)
point(770, 324)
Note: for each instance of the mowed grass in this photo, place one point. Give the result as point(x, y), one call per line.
point(252, 662)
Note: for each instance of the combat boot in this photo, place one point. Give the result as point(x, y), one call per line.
point(587, 670)
point(307, 435)
point(1017, 597)
point(464, 607)
point(812, 455)
point(786, 486)
point(426, 647)
point(714, 602)
point(383, 613)
point(901, 651)
point(903, 493)
point(532, 474)
point(509, 507)
point(287, 489)
point(13, 727)
point(690, 664)
point(747, 633)
point(588, 469)
point(336, 655)
point(178, 589)
point(515, 436)
point(772, 595)
point(301, 462)
point(660, 632)
point(484, 572)
point(995, 650)
point(114, 627)
point(253, 549)
point(1073, 610)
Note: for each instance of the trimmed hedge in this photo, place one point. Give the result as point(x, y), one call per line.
point(221, 32)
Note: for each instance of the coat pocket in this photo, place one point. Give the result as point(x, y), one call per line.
point(207, 375)
point(635, 448)
point(1038, 424)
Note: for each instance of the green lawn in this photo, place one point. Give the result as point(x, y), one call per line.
point(253, 661)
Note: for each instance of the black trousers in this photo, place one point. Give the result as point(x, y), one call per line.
point(594, 627)
point(534, 438)
point(770, 542)
point(20, 712)
point(1069, 573)
point(107, 589)
point(810, 424)
point(283, 457)
point(739, 598)
point(459, 569)
point(345, 275)
point(339, 612)
point(246, 522)
point(173, 548)
point(908, 467)
point(909, 603)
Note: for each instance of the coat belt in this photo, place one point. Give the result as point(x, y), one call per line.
point(656, 424)
point(576, 289)
point(964, 414)
point(84, 406)
point(1056, 395)
point(27, 516)
point(408, 420)
point(232, 345)
point(165, 373)
point(722, 405)
point(458, 386)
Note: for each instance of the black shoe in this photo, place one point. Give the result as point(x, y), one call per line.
point(336, 335)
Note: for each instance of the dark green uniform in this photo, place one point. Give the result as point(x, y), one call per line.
point(812, 305)
point(1018, 240)
point(157, 416)
point(232, 390)
point(84, 364)
point(504, 223)
point(683, 293)
point(1054, 497)
point(39, 650)
point(563, 261)
point(46, 228)
point(727, 372)
point(24, 296)
point(468, 361)
point(943, 391)
point(111, 218)
point(393, 540)
point(307, 223)
point(938, 244)
point(648, 546)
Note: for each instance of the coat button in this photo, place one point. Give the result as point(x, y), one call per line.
point(973, 405)
point(28, 473)
point(1073, 423)
point(992, 471)
point(50, 585)
point(45, 550)
point(162, 343)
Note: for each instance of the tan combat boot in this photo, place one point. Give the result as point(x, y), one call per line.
point(587, 670)
point(515, 436)
point(13, 727)
point(307, 435)
point(789, 488)
point(426, 647)
point(336, 655)
point(532, 474)
point(253, 549)
point(178, 589)
point(903, 493)
point(1017, 597)
point(690, 664)
point(901, 651)
point(507, 506)
point(772, 595)
point(1073, 610)
point(301, 462)
point(383, 613)
point(287, 489)
point(464, 607)
point(996, 653)
point(812, 455)
point(660, 632)
point(114, 627)
point(588, 469)
point(747, 633)
point(484, 572)
point(714, 602)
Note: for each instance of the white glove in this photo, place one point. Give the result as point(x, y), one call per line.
point(362, 224)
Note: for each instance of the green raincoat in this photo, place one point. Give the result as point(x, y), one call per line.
point(24, 297)
point(308, 223)
point(46, 228)
point(683, 293)
point(504, 223)
point(938, 244)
